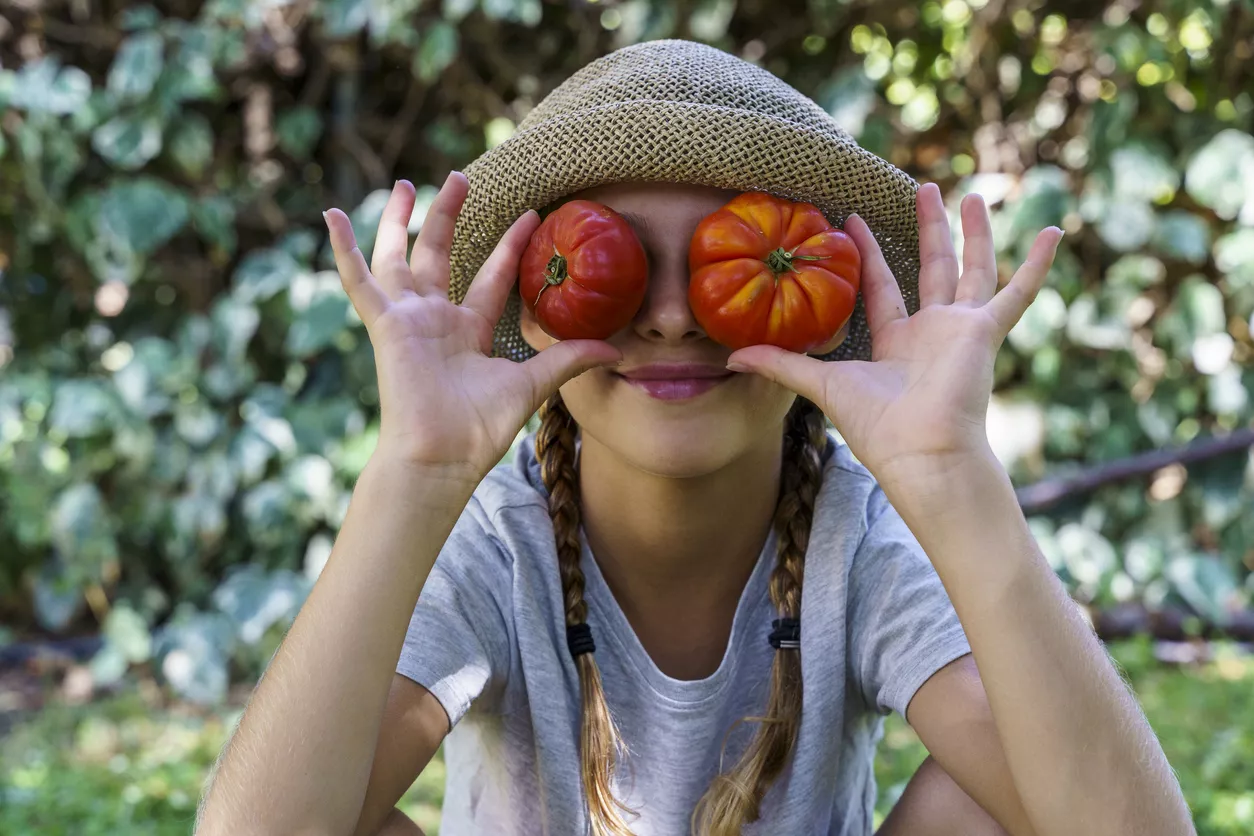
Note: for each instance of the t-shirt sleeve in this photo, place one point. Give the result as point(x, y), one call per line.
point(458, 645)
point(902, 626)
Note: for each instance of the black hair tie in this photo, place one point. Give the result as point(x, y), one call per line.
point(786, 635)
point(579, 639)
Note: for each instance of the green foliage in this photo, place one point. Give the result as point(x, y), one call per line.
point(187, 396)
point(135, 764)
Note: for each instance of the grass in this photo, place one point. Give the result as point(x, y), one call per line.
point(134, 764)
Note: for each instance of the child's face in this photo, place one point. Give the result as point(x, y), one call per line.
point(679, 428)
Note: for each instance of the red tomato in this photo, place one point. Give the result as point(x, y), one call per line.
point(584, 273)
point(764, 270)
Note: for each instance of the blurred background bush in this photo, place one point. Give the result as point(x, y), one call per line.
point(186, 395)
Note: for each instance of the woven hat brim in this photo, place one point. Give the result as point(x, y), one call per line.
point(683, 142)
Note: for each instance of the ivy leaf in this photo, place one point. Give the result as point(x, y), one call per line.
point(213, 217)
point(298, 131)
point(141, 215)
point(1183, 235)
point(437, 50)
point(255, 600)
point(127, 141)
point(191, 144)
point(44, 87)
point(1221, 175)
point(136, 66)
point(263, 273)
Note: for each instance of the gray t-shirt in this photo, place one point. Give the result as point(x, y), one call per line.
point(487, 638)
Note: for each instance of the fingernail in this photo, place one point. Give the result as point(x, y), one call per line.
point(737, 367)
point(406, 182)
point(325, 219)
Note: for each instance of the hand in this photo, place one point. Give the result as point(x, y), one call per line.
point(923, 397)
point(444, 401)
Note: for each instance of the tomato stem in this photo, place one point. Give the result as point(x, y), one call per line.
point(781, 261)
point(554, 273)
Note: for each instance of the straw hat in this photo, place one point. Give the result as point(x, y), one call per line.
point(683, 112)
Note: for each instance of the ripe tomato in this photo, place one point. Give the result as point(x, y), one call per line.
point(584, 273)
point(764, 270)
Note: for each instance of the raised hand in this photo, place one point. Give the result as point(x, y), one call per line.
point(923, 397)
point(445, 402)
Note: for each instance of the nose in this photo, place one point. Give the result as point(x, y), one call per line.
point(665, 315)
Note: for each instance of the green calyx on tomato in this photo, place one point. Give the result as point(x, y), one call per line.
point(780, 261)
point(554, 273)
point(593, 267)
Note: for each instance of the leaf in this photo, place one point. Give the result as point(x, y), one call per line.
point(298, 130)
point(1126, 225)
point(1184, 236)
point(141, 215)
point(136, 66)
point(213, 218)
point(1205, 583)
point(198, 424)
point(83, 531)
point(234, 324)
point(1234, 255)
point(263, 273)
point(58, 597)
point(128, 142)
point(256, 600)
point(189, 75)
point(437, 50)
point(1221, 175)
point(344, 17)
point(1041, 322)
point(194, 650)
point(191, 144)
point(1142, 175)
point(43, 87)
point(127, 632)
point(849, 97)
point(140, 17)
point(316, 327)
point(82, 408)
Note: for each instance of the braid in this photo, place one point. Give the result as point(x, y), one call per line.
point(600, 744)
point(735, 798)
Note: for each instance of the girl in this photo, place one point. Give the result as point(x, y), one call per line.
point(685, 607)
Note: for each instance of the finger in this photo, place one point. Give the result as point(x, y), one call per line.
point(564, 360)
point(979, 257)
point(1010, 303)
point(363, 291)
point(490, 289)
point(429, 263)
point(880, 292)
point(391, 242)
point(805, 375)
point(938, 264)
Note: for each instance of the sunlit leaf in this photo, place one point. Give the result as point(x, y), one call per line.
point(136, 66)
point(436, 51)
point(128, 142)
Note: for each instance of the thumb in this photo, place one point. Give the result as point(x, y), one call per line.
point(562, 361)
point(801, 373)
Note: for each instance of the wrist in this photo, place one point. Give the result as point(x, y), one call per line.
point(934, 482)
point(432, 484)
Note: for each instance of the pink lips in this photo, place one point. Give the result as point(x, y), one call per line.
point(676, 381)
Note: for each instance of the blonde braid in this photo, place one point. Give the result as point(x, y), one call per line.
point(600, 745)
point(735, 798)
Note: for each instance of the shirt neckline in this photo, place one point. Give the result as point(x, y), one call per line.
point(751, 610)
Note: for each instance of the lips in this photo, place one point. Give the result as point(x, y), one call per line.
point(676, 381)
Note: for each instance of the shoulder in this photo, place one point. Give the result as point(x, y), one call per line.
point(509, 508)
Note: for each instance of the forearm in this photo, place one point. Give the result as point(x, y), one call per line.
point(1083, 757)
point(301, 757)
